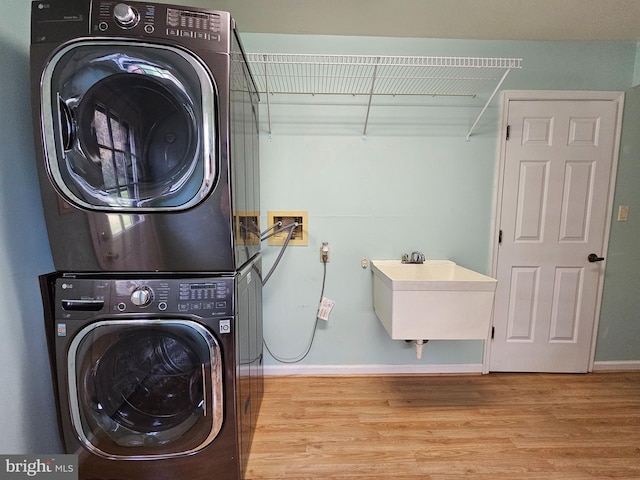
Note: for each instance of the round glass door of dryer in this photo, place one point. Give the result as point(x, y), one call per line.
point(141, 389)
point(129, 127)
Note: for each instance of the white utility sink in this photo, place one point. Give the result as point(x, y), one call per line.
point(435, 300)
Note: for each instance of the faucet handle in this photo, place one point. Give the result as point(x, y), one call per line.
point(417, 257)
point(405, 258)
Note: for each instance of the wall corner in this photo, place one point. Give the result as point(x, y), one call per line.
point(636, 69)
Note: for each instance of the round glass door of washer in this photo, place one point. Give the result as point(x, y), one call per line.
point(143, 389)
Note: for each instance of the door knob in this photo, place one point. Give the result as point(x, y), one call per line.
point(594, 258)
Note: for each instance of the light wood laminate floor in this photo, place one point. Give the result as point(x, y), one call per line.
point(497, 426)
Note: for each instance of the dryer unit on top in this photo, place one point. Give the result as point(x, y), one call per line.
point(147, 132)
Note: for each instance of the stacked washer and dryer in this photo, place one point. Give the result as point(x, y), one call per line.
point(146, 123)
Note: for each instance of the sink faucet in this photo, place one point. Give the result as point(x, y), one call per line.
point(416, 257)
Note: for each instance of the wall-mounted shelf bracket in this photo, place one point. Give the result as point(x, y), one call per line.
point(373, 89)
point(484, 109)
point(266, 90)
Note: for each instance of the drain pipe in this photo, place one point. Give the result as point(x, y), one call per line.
point(419, 347)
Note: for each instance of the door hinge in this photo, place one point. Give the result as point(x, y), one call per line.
point(500, 237)
point(493, 332)
point(508, 131)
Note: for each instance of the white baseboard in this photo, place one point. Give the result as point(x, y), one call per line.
point(432, 369)
point(616, 365)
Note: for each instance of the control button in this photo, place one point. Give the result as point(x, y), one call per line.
point(121, 306)
point(103, 26)
point(125, 16)
point(162, 306)
point(142, 296)
point(149, 28)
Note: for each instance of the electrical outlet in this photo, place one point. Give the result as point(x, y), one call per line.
point(325, 253)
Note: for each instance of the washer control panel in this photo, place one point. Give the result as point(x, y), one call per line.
point(213, 296)
point(81, 298)
point(113, 17)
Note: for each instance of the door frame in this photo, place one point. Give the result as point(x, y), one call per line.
point(545, 95)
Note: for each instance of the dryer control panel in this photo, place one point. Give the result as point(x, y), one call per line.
point(192, 26)
point(82, 298)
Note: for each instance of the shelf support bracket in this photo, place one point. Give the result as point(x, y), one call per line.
point(373, 84)
point(504, 76)
point(266, 87)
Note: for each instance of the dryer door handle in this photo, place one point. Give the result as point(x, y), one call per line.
point(67, 126)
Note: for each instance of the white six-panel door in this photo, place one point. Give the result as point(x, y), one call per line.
point(556, 181)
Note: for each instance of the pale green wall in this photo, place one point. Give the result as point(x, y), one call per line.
point(415, 183)
point(619, 333)
point(423, 187)
point(27, 413)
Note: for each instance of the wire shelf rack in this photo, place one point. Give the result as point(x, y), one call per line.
point(281, 73)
